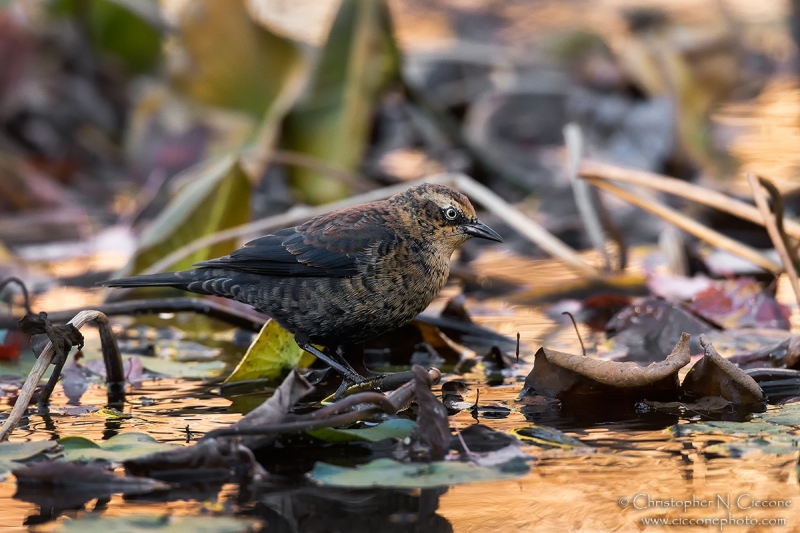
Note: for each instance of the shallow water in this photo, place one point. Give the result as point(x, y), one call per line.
point(631, 456)
point(634, 468)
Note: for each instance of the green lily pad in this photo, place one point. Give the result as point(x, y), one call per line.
point(390, 473)
point(547, 437)
point(397, 428)
point(743, 429)
point(92, 523)
point(787, 415)
point(117, 449)
point(272, 352)
point(775, 445)
point(14, 454)
point(188, 369)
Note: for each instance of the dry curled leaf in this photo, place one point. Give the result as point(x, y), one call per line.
point(713, 375)
point(430, 438)
point(563, 375)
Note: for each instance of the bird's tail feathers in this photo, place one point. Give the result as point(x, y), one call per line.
point(179, 280)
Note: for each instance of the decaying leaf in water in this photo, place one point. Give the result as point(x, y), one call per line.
point(740, 303)
point(396, 428)
point(567, 376)
point(713, 375)
point(781, 354)
point(430, 438)
point(75, 476)
point(389, 473)
point(649, 329)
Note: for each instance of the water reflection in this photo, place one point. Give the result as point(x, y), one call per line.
point(336, 509)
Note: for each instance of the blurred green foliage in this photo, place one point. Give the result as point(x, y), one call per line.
point(130, 31)
point(228, 60)
point(332, 120)
point(216, 196)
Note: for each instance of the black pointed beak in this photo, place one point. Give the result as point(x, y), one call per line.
point(482, 231)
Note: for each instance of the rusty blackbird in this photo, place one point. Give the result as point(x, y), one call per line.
point(346, 276)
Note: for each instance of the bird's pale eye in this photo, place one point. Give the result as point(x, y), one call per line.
point(450, 213)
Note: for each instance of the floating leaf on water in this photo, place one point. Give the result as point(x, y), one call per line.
point(774, 445)
point(117, 449)
point(714, 375)
point(547, 437)
point(397, 428)
point(271, 353)
point(390, 473)
point(724, 427)
point(187, 369)
point(559, 374)
point(740, 303)
point(14, 454)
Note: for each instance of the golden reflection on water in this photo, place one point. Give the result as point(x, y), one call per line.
point(767, 135)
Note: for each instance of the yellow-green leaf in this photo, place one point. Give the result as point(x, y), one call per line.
point(273, 351)
point(221, 57)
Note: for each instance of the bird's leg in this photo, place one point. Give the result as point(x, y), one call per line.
point(347, 372)
point(340, 356)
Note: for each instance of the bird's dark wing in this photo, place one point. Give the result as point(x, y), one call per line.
point(326, 246)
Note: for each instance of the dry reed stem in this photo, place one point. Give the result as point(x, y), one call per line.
point(774, 233)
point(690, 225)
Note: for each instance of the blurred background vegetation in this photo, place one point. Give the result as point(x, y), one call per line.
point(135, 126)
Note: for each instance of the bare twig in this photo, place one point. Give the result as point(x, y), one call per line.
point(702, 195)
point(691, 226)
point(250, 321)
point(573, 138)
point(299, 159)
point(331, 416)
point(40, 367)
point(774, 233)
point(577, 332)
point(23, 288)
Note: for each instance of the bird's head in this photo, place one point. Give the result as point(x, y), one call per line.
point(445, 215)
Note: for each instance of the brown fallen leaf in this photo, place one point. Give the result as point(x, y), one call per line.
point(713, 375)
point(430, 438)
point(565, 376)
point(75, 476)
